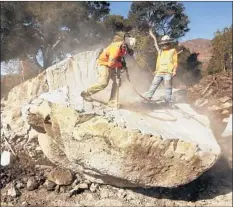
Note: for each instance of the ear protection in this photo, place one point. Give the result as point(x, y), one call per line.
point(129, 51)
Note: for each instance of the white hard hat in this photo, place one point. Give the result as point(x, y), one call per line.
point(131, 42)
point(165, 39)
point(69, 55)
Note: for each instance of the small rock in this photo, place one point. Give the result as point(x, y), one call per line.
point(33, 134)
point(121, 194)
point(57, 189)
point(225, 112)
point(43, 167)
point(38, 148)
point(41, 179)
point(19, 139)
point(25, 203)
point(226, 105)
point(61, 176)
point(225, 120)
point(50, 186)
point(20, 185)
point(24, 180)
point(93, 187)
point(225, 99)
point(83, 186)
point(16, 113)
point(214, 108)
point(76, 181)
point(31, 154)
point(136, 131)
point(6, 158)
point(32, 184)
point(228, 130)
point(105, 193)
point(13, 192)
point(63, 189)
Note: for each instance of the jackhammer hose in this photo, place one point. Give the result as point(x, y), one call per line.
point(163, 119)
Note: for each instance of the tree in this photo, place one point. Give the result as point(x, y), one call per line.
point(163, 17)
point(13, 31)
point(48, 26)
point(97, 9)
point(221, 59)
point(116, 23)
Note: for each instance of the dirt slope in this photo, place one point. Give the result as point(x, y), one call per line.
point(201, 46)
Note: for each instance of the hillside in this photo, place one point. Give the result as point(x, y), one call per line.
point(202, 46)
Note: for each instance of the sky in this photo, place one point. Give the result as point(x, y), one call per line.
point(205, 17)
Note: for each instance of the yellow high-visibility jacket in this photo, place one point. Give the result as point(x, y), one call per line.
point(167, 61)
point(111, 56)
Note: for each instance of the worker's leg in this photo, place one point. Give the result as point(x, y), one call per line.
point(113, 77)
point(103, 73)
point(155, 84)
point(168, 87)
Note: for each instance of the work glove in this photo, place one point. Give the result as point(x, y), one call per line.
point(130, 52)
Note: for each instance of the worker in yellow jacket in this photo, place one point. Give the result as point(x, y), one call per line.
point(166, 67)
point(108, 61)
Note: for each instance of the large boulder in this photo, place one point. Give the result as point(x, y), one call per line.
point(137, 145)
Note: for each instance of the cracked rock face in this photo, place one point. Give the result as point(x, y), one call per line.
point(107, 153)
point(130, 147)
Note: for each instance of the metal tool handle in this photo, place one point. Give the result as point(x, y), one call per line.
point(118, 85)
point(117, 76)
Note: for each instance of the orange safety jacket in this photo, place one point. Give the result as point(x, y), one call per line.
point(111, 56)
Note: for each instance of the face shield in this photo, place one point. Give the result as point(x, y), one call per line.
point(130, 42)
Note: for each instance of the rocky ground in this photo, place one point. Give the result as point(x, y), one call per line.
point(214, 92)
point(23, 183)
point(33, 180)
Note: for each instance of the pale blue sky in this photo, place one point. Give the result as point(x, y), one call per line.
point(205, 17)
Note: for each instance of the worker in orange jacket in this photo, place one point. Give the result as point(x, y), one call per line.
point(166, 67)
point(108, 61)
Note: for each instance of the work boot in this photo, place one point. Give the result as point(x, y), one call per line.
point(170, 104)
point(147, 99)
point(86, 96)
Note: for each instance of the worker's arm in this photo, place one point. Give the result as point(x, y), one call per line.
point(155, 40)
point(180, 52)
point(175, 62)
point(114, 58)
